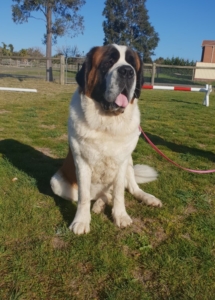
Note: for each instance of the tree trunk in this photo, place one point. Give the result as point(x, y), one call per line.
point(49, 75)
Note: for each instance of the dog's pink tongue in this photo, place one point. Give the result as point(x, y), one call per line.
point(121, 100)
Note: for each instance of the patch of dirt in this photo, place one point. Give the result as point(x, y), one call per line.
point(139, 226)
point(159, 236)
point(48, 126)
point(3, 111)
point(190, 210)
point(46, 151)
point(152, 228)
point(58, 243)
point(63, 137)
point(202, 146)
point(143, 275)
point(85, 268)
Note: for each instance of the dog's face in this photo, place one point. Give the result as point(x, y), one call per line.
point(112, 76)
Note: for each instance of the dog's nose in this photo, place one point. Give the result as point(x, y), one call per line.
point(126, 72)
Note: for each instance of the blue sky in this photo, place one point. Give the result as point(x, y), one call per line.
point(182, 26)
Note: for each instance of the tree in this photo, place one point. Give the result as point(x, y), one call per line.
point(35, 52)
point(11, 47)
point(159, 60)
point(68, 51)
point(23, 52)
point(177, 61)
point(127, 23)
point(7, 50)
point(61, 17)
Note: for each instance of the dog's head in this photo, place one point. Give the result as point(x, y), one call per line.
point(112, 76)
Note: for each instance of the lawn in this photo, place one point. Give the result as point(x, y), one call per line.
point(167, 253)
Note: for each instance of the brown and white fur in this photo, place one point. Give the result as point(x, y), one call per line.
point(103, 130)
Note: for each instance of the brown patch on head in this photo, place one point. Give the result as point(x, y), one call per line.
point(139, 74)
point(137, 61)
point(93, 74)
point(87, 76)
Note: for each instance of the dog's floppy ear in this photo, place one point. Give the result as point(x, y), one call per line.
point(82, 75)
point(140, 80)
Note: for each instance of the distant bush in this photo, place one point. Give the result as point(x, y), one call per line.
point(175, 61)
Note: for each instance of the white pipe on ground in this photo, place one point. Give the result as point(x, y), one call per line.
point(17, 89)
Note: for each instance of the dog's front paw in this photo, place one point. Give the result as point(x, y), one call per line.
point(122, 220)
point(80, 227)
point(152, 201)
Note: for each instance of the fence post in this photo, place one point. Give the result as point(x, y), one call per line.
point(153, 74)
point(208, 91)
point(62, 69)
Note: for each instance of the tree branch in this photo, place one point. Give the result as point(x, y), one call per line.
point(42, 11)
point(37, 18)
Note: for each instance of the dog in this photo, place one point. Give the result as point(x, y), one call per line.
point(103, 130)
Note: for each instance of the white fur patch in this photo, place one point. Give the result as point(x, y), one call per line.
point(112, 90)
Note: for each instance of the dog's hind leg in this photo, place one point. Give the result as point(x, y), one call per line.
point(64, 182)
point(62, 188)
point(141, 174)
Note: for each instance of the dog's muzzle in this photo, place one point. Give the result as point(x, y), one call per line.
point(119, 94)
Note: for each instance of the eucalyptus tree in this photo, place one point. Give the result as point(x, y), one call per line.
point(60, 16)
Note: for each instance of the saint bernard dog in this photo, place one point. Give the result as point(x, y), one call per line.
point(103, 130)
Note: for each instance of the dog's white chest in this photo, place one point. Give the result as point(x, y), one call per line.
point(103, 142)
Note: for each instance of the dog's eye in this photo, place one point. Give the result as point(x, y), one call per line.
point(130, 60)
point(107, 65)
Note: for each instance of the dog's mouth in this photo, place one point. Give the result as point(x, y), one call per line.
point(122, 99)
point(117, 106)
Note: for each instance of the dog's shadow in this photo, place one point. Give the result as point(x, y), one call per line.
point(180, 148)
point(40, 167)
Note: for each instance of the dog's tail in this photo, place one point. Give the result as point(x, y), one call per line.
point(144, 173)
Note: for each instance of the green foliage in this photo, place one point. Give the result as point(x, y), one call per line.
point(31, 52)
point(65, 12)
point(6, 50)
point(23, 52)
point(175, 61)
point(127, 23)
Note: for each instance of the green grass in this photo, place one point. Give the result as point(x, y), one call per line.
point(167, 253)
